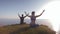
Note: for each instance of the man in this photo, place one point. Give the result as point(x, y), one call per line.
point(33, 18)
point(21, 18)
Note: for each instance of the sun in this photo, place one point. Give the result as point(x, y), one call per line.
point(52, 12)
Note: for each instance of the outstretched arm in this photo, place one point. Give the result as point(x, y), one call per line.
point(40, 14)
point(28, 15)
point(18, 15)
point(25, 16)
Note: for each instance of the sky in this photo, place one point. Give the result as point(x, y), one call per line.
point(9, 9)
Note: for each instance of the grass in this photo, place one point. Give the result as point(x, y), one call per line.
point(25, 29)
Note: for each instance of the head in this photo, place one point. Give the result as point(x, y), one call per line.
point(22, 15)
point(33, 12)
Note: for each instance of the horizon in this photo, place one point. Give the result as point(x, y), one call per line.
point(9, 9)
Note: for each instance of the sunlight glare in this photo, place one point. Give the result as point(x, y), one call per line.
point(52, 12)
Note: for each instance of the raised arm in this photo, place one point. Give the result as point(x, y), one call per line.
point(18, 14)
point(40, 14)
point(27, 14)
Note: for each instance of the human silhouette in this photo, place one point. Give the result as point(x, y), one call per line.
point(21, 18)
point(33, 18)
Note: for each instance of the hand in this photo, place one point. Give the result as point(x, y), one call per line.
point(26, 14)
point(43, 10)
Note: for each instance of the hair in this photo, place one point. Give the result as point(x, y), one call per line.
point(33, 12)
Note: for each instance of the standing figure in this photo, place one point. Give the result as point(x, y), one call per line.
point(33, 18)
point(21, 18)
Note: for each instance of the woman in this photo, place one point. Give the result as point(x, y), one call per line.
point(33, 18)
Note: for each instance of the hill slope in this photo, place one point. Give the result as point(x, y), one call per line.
point(25, 29)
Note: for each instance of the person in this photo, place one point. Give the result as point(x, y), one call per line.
point(33, 18)
point(21, 18)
